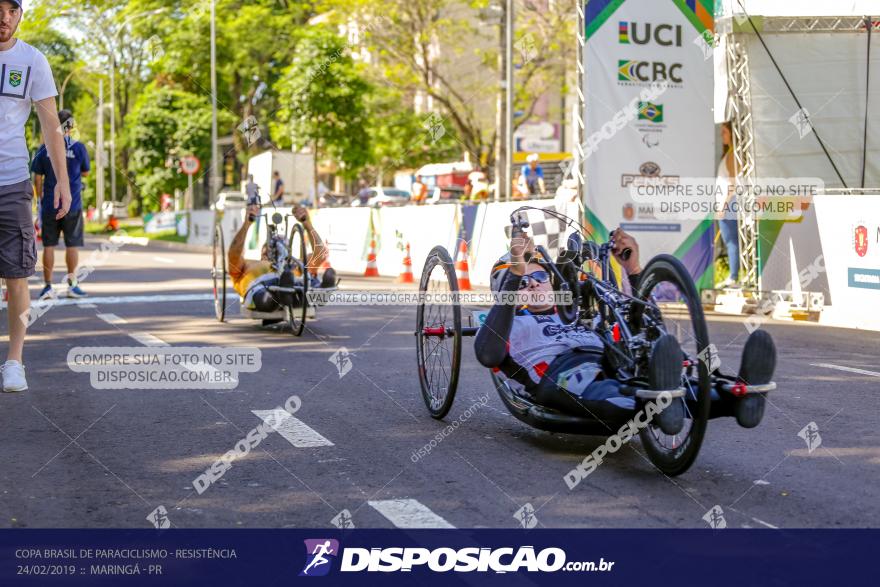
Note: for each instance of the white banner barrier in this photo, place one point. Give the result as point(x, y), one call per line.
point(201, 227)
point(423, 227)
point(849, 228)
point(346, 233)
point(491, 241)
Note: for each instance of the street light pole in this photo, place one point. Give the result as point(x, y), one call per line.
point(213, 175)
point(99, 155)
point(508, 89)
point(113, 128)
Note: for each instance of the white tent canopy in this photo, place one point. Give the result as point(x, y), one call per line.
point(801, 7)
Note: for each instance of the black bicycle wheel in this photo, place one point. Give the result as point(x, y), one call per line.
point(295, 314)
point(667, 284)
point(438, 333)
point(218, 274)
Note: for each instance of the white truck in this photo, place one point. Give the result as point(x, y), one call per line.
point(297, 171)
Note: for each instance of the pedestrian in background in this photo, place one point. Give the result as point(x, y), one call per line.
point(278, 190)
point(419, 192)
point(728, 224)
point(25, 79)
point(71, 225)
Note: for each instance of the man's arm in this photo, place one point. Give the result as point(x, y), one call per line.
point(38, 185)
point(319, 251)
point(235, 257)
point(54, 140)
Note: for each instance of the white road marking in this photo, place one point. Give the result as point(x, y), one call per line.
point(154, 299)
point(848, 369)
point(111, 319)
point(147, 339)
point(409, 513)
point(292, 429)
point(164, 260)
point(88, 306)
point(766, 524)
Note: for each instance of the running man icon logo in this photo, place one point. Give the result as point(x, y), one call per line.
point(810, 435)
point(318, 556)
point(715, 518)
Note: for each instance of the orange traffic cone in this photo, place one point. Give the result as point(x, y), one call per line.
point(406, 274)
point(461, 267)
point(372, 269)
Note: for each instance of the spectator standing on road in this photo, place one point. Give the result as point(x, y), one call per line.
point(72, 224)
point(532, 176)
point(278, 190)
point(26, 78)
point(363, 194)
point(419, 191)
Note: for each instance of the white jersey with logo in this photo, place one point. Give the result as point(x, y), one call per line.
point(537, 339)
point(25, 77)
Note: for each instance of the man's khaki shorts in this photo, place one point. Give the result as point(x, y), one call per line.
point(18, 244)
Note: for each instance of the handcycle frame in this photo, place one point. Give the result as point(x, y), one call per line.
point(282, 260)
point(627, 325)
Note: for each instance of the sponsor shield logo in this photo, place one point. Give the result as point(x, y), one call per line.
point(860, 240)
point(14, 78)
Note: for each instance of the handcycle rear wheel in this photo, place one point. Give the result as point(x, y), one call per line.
point(666, 282)
point(296, 315)
point(438, 333)
point(218, 273)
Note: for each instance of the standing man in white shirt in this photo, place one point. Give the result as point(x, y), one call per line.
point(25, 78)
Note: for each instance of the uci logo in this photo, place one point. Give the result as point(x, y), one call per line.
point(666, 35)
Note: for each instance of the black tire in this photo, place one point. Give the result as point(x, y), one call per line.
point(439, 357)
point(666, 276)
point(296, 247)
point(218, 274)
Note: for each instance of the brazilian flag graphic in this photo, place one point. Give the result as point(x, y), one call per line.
point(14, 78)
point(651, 111)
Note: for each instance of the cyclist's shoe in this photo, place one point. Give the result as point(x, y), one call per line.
point(757, 367)
point(664, 373)
point(74, 291)
point(728, 283)
point(329, 280)
point(286, 299)
point(45, 292)
point(13, 377)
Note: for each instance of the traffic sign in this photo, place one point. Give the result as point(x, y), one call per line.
point(190, 164)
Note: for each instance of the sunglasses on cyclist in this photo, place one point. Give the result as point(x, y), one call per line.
point(538, 276)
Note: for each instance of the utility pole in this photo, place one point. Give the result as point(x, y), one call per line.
point(508, 89)
point(214, 175)
point(99, 155)
point(501, 183)
point(113, 127)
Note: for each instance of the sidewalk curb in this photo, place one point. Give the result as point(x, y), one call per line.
point(184, 247)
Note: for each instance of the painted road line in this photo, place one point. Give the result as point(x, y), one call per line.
point(147, 339)
point(111, 319)
point(87, 306)
point(142, 299)
point(409, 513)
point(292, 429)
point(164, 260)
point(847, 369)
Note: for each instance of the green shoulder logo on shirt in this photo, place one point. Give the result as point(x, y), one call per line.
point(14, 78)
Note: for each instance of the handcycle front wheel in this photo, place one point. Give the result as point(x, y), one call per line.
point(218, 274)
point(438, 332)
point(293, 314)
point(667, 284)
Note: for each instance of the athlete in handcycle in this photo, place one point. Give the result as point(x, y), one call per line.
point(280, 280)
point(591, 366)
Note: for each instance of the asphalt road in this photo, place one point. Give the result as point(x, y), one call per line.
point(76, 456)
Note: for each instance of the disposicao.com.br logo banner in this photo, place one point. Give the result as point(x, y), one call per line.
point(321, 552)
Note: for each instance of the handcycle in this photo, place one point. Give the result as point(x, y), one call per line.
point(666, 302)
point(284, 254)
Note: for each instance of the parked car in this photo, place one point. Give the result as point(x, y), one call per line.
point(335, 200)
point(229, 200)
point(385, 196)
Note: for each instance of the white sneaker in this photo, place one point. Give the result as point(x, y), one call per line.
point(13, 377)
